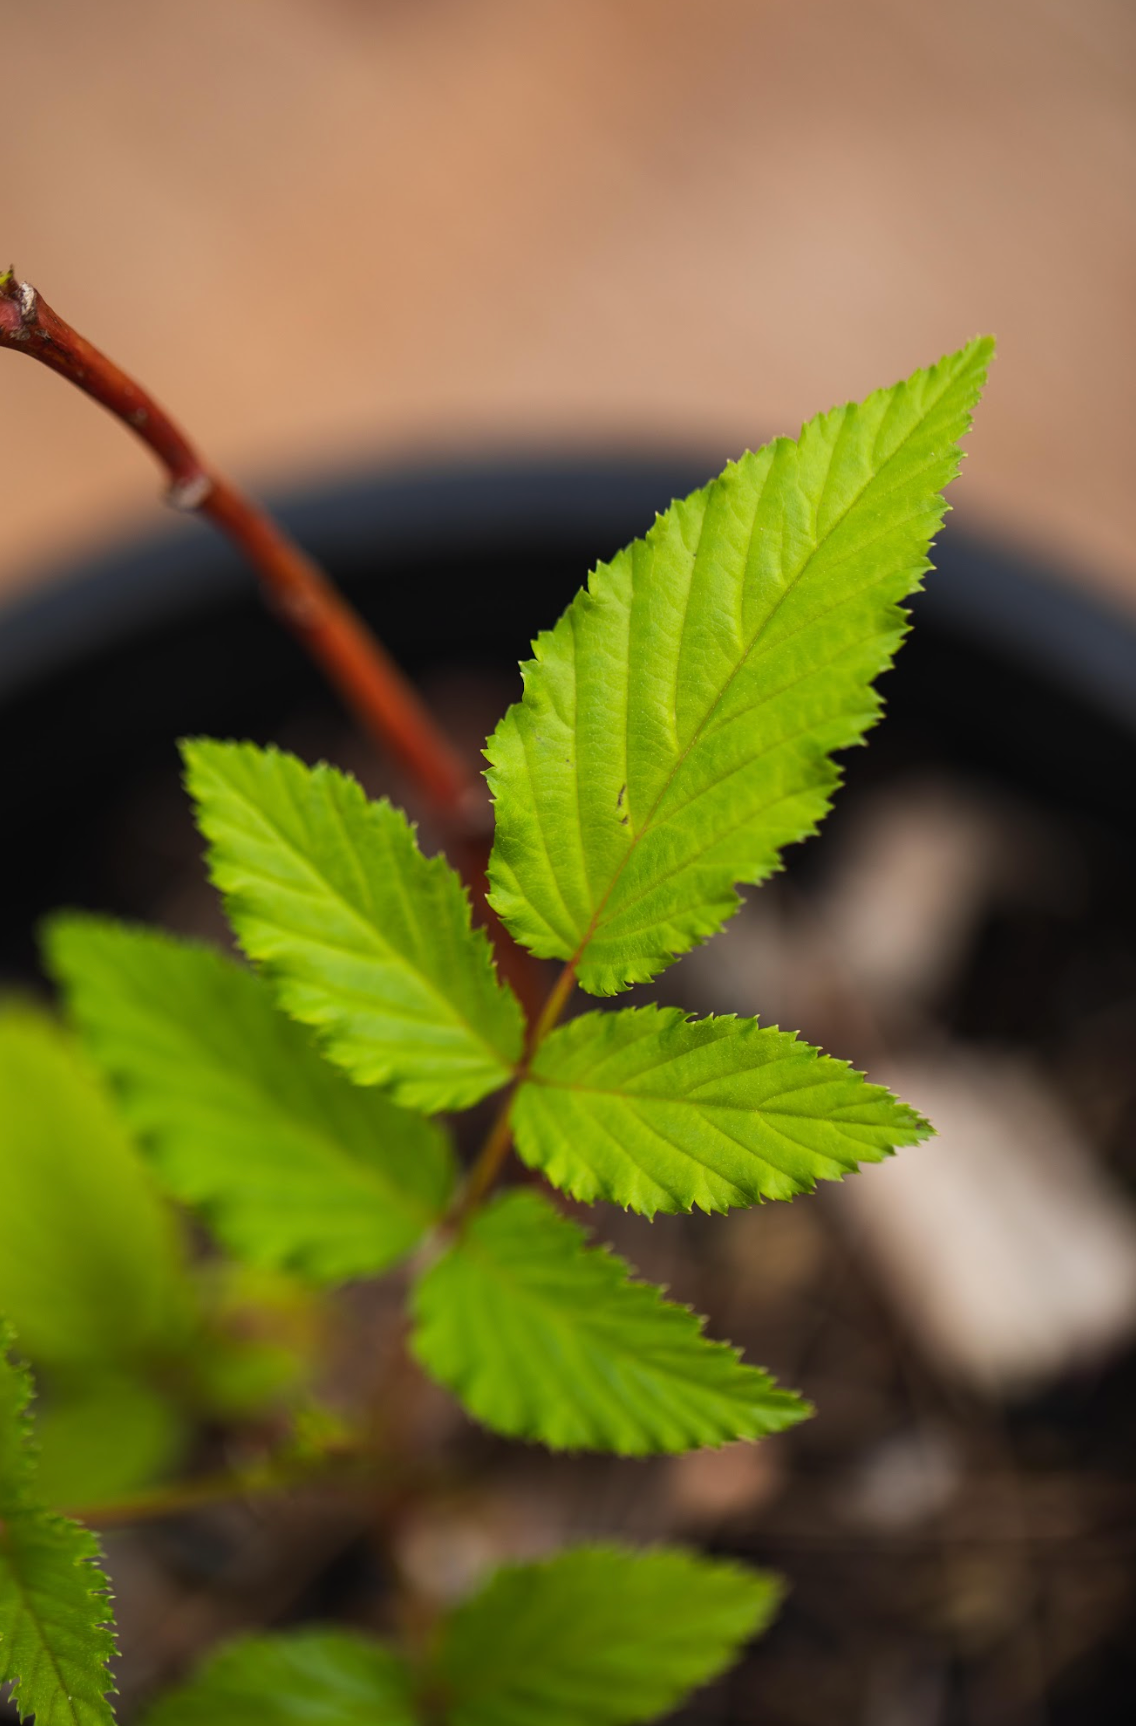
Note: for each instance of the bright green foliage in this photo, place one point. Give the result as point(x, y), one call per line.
point(543, 1337)
point(91, 1271)
point(313, 1677)
point(363, 937)
point(94, 1275)
point(678, 724)
point(291, 1165)
point(55, 1636)
point(597, 1637)
point(659, 1112)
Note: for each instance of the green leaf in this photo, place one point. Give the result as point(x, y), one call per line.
point(659, 1112)
point(362, 936)
point(264, 1336)
point(292, 1166)
point(319, 1677)
point(678, 724)
point(542, 1337)
point(55, 1635)
point(92, 1269)
point(598, 1637)
point(103, 1438)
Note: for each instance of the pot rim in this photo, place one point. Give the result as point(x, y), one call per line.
point(1036, 616)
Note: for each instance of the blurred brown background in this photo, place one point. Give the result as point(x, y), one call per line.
point(334, 230)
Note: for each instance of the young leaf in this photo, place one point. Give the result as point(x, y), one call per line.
point(104, 1437)
point(322, 1677)
point(597, 1637)
point(55, 1634)
point(678, 724)
point(92, 1268)
point(292, 1166)
point(659, 1112)
point(362, 936)
point(542, 1337)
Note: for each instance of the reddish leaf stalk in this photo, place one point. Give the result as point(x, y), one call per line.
point(491, 1158)
point(335, 636)
point(381, 697)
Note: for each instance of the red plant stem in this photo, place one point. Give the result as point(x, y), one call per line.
point(381, 697)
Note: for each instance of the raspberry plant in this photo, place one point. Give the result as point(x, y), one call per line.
point(676, 732)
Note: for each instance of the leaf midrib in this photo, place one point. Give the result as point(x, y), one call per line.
point(33, 1615)
point(358, 918)
point(514, 1284)
point(265, 1104)
point(687, 1101)
point(696, 735)
point(328, 1149)
point(700, 1161)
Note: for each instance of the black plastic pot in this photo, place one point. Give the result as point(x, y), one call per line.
point(103, 667)
point(1010, 676)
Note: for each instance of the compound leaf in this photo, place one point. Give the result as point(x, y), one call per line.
point(292, 1166)
point(55, 1634)
point(362, 936)
point(543, 1337)
point(315, 1677)
point(92, 1270)
point(597, 1636)
point(678, 724)
point(659, 1112)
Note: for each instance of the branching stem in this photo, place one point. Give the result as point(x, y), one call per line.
point(494, 1152)
point(274, 1475)
point(489, 1162)
point(558, 998)
point(381, 697)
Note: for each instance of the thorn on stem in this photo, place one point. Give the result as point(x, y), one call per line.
point(189, 494)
